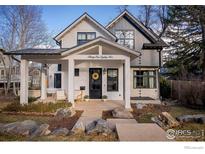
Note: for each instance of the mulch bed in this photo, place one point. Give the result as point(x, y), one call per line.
point(150, 109)
point(107, 115)
point(67, 122)
point(49, 114)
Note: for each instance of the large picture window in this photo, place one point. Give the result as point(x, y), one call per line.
point(84, 37)
point(112, 79)
point(125, 38)
point(144, 79)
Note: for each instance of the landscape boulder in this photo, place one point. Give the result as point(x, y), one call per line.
point(64, 112)
point(42, 130)
point(197, 118)
point(60, 132)
point(98, 126)
point(24, 128)
point(121, 113)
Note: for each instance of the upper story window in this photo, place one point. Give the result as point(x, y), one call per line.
point(125, 38)
point(84, 37)
point(59, 67)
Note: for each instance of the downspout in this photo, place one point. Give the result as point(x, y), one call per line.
point(160, 64)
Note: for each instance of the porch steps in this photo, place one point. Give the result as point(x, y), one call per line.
point(140, 132)
point(112, 122)
point(60, 95)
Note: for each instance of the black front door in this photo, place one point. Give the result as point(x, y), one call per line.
point(95, 80)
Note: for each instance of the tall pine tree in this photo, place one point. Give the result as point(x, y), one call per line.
point(187, 35)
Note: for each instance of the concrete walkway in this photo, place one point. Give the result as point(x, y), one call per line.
point(140, 132)
point(92, 110)
point(95, 108)
point(127, 129)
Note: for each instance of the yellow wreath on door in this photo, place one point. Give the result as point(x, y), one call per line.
point(95, 76)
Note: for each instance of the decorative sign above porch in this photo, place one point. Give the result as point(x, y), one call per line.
point(100, 56)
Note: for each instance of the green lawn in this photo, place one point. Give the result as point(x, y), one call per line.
point(6, 118)
point(72, 137)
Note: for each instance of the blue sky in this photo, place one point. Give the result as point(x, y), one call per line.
point(57, 18)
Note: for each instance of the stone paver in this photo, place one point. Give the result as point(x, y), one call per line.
point(140, 132)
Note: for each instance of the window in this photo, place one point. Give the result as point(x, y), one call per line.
point(84, 37)
point(76, 71)
point(59, 67)
point(2, 73)
point(125, 38)
point(112, 79)
point(144, 79)
point(57, 80)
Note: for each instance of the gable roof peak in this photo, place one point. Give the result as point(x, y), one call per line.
point(83, 16)
point(146, 31)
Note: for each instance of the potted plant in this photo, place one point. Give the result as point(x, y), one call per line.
point(86, 98)
point(104, 98)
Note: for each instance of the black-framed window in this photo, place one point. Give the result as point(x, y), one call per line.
point(144, 79)
point(83, 37)
point(77, 72)
point(57, 80)
point(125, 38)
point(59, 67)
point(112, 79)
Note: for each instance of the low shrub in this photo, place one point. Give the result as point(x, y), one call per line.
point(30, 99)
point(37, 107)
point(104, 97)
point(165, 88)
point(86, 97)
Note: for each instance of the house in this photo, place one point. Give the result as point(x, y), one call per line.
point(4, 61)
point(120, 60)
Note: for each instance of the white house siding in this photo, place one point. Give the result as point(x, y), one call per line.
point(70, 38)
point(149, 57)
point(83, 78)
point(145, 92)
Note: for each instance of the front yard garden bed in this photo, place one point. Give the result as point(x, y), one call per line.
point(65, 122)
point(35, 108)
point(145, 114)
point(107, 114)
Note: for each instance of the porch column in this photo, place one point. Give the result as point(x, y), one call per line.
point(127, 83)
point(71, 81)
point(24, 82)
point(43, 83)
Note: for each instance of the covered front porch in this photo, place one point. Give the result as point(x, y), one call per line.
point(95, 62)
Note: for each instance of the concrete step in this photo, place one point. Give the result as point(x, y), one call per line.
point(112, 122)
point(140, 132)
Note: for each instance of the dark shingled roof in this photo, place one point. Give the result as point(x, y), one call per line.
point(158, 45)
point(31, 51)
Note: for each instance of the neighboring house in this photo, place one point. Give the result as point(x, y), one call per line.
point(99, 60)
point(14, 73)
point(34, 73)
point(34, 77)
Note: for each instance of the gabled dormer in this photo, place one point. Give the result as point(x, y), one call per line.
point(133, 34)
point(82, 30)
